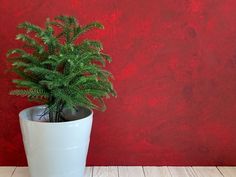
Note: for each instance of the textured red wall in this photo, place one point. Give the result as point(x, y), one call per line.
point(175, 69)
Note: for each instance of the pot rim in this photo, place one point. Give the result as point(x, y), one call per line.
point(51, 123)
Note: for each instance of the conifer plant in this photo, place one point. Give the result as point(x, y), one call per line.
point(58, 69)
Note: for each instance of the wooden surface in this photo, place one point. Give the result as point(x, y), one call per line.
point(7, 171)
point(137, 171)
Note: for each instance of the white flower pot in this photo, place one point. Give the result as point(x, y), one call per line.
point(55, 149)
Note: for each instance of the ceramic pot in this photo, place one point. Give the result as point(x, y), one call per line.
point(56, 149)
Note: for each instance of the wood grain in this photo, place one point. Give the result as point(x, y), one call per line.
point(156, 172)
point(6, 171)
point(182, 172)
point(228, 171)
point(207, 172)
point(21, 172)
point(135, 171)
point(105, 171)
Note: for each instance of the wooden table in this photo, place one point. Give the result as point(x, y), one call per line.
point(137, 171)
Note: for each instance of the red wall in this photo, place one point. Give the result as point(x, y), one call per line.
point(175, 69)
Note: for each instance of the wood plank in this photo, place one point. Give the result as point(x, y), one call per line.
point(88, 172)
point(207, 172)
point(137, 171)
point(182, 172)
point(156, 172)
point(6, 171)
point(134, 171)
point(21, 172)
point(105, 171)
point(228, 171)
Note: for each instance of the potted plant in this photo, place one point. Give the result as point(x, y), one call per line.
point(67, 76)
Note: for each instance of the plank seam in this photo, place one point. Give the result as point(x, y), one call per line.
point(213, 166)
point(143, 172)
point(169, 171)
point(194, 172)
point(220, 171)
point(92, 170)
point(118, 171)
point(13, 171)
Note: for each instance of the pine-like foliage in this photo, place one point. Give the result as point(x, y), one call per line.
point(57, 69)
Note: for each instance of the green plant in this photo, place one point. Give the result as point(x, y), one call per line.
point(58, 70)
